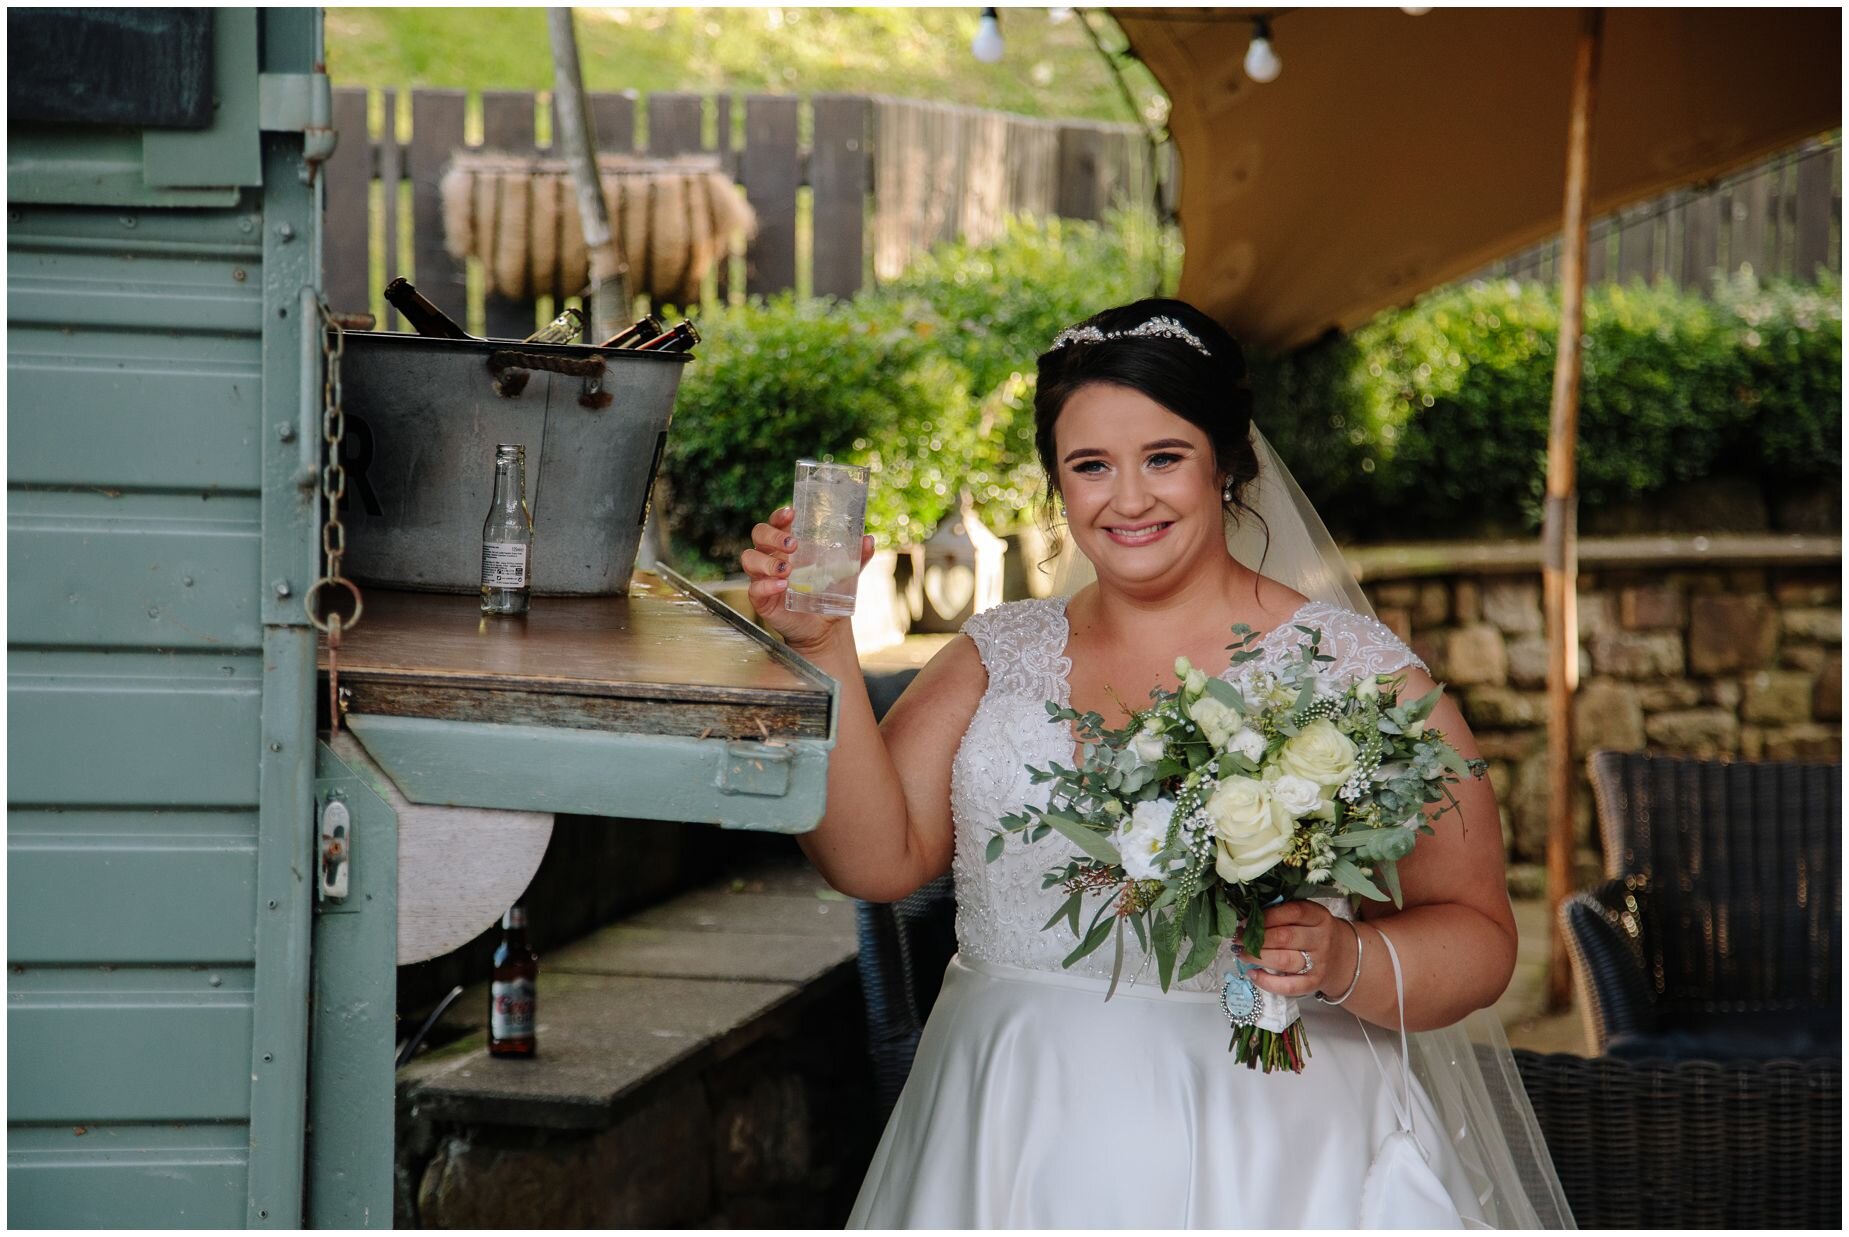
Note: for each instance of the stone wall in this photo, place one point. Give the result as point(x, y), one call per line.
point(777, 1136)
point(1738, 662)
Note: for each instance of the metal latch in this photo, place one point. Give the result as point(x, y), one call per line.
point(299, 103)
point(336, 849)
point(755, 769)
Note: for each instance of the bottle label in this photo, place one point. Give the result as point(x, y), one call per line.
point(504, 564)
point(511, 1009)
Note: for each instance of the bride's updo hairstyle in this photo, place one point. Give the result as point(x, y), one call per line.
point(1136, 346)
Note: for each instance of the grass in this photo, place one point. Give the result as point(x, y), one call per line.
point(1049, 69)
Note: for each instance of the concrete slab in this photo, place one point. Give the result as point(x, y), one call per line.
point(603, 1041)
point(633, 949)
point(734, 913)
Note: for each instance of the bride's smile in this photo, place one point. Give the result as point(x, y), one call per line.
point(1134, 476)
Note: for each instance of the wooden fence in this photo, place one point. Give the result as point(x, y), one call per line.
point(1782, 218)
point(902, 174)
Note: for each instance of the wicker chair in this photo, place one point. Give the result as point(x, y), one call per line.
point(1719, 930)
point(904, 947)
point(1691, 1144)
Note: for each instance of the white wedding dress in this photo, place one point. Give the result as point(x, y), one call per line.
point(1034, 1103)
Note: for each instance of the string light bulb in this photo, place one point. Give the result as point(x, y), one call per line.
point(987, 45)
point(1413, 10)
point(1262, 63)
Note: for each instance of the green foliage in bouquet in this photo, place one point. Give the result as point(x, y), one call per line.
point(1227, 795)
point(1435, 416)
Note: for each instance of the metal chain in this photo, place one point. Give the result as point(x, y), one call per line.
point(333, 489)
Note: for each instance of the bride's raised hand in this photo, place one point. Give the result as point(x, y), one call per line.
point(768, 565)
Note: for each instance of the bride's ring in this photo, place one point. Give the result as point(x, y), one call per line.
point(1308, 964)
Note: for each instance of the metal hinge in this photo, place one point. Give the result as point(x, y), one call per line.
point(336, 849)
point(299, 103)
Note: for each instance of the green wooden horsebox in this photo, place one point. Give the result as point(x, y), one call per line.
point(202, 894)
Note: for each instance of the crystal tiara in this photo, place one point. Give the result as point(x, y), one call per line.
point(1162, 328)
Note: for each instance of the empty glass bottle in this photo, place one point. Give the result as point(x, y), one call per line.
point(507, 536)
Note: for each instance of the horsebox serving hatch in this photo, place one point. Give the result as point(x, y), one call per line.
point(423, 418)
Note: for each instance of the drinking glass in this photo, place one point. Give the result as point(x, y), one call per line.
point(831, 518)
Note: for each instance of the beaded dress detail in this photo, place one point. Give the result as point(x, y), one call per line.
point(1001, 906)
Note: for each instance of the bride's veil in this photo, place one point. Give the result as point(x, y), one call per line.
point(1467, 1069)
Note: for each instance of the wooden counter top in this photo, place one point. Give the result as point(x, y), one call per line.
point(659, 661)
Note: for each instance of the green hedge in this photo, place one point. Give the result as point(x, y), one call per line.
point(927, 380)
point(1432, 420)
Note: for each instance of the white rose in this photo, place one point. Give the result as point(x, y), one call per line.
point(1249, 743)
point(1367, 689)
point(1140, 837)
point(1416, 729)
point(1298, 795)
point(1216, 720)
point(1182, 666)
point(1197, 681)
point(1320, 753)
point(1147, 744)
point(1250, 829)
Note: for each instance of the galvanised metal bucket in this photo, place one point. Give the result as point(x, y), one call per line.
point(423, 419)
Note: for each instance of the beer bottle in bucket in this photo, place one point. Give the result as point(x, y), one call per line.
point(564, 329)
point(424, 317)
point(647, 327)
point(681, 339)
point(507, 536)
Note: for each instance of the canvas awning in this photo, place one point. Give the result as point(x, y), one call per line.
point(1394, 153)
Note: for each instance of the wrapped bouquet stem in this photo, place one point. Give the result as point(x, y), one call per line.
point(1225, 797)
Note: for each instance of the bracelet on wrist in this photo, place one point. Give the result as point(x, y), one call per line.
point(1352, 927)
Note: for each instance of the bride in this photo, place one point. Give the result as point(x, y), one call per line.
point(1034, 1103)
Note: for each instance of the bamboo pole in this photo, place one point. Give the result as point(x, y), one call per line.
point(607, 306)
point(1559, 551)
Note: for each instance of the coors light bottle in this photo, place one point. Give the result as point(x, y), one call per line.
point(513, 998)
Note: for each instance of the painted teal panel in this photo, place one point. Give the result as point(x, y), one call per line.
point(126, 1176)
point(67, 825)
point(90, 167)
point(81, 425)
point(228, 153)
point(81, 1056)
point(89, 743)
point(161, 766)
point(134, 300)
point(776, 789)
point(198, 891)
point(128, 582)
point(351, 1101)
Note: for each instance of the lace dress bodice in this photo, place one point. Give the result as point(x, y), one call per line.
point(1001, 906)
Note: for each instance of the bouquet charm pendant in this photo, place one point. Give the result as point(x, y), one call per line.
point(1239, 998)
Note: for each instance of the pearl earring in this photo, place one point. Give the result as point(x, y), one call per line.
point(1226, 495)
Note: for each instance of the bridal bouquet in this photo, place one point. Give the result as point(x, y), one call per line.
point(1222, 798)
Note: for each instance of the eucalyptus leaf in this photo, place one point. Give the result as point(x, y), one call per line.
point(1390, 872)
point(1226, 694)
point(1092, 940)
point(1069, 907)
point(994, 850)
point(1201, 953)
point(1352, 877)
point(1117, 960)
point(1168, 940)
point(1422, 708)
point(1086, 838)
